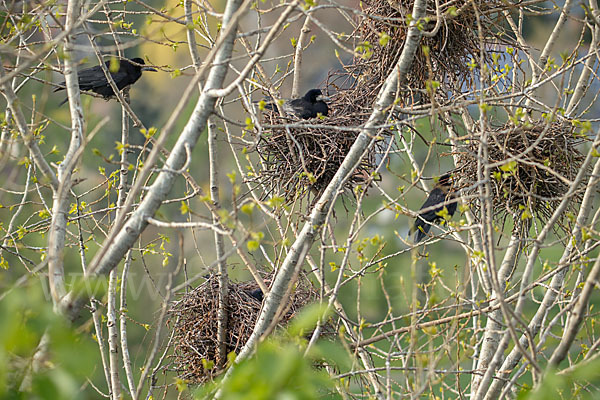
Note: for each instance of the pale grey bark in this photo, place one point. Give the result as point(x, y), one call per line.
point(123, 311)
point(494, 373)
point(257, 55)
point(493, 328)
point(222, 314)
point(298, 57)
point(308, 234)
point(49, 45)
point(14, 217)
point(576, 317)
point(583, 83)
point(191, 34)
point(37, 362)
point(123, 317)
point(539, 68)
point(113, 336)
point(147, 370)
point(58, 227)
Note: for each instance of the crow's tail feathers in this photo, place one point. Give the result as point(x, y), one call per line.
point(420, 235)
point(421, 227)
point(269, 103)
point(270, 106)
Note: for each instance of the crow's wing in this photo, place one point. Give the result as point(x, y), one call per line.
point(270, 104)
point(437, 196)
point(93, 78)
point(300, 108)
point(321, 107)
point(425, 219)
point(88, 79)
point(451, 207)
point(121, 78)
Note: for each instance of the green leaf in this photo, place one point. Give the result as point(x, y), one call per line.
point(253, 245)
point(279, 370)
point(184, 208)
point(249, 124)
point(484, 107)
point(452, 11)
point(207, 364)
point(44, 214)
point(307, 319)
point(275, 201)
point(510, 166)
point(114, 65)
point(181, 384)
point(149, 133)
point(232, 176)
point(248, 208)
point(526, 215)
point(384, 38)
point(3, 263)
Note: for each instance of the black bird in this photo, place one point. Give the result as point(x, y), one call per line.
point(441, 194)
point(93, 78)
point(257, 294)
point(307, 106)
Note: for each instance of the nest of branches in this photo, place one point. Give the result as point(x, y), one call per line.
point(194, 320)
point(453, 42)
point(536, 162)
point(300, 159)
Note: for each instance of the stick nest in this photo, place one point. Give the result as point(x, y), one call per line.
point(382, 32)
point(194, 323)
point(297, 160)
point(525, 186)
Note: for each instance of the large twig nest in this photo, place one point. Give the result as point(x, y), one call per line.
point(300, 159)
point(193, 321)
point(464, 28)
point(535, 163)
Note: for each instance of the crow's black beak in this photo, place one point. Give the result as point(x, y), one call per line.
point(149, 69)
point(322, 97)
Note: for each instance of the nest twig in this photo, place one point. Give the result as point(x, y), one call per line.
point(536, 162)
point(194, 323)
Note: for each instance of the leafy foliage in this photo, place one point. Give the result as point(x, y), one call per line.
point(54, 372)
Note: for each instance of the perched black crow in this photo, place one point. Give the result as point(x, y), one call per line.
point(93, 78)
point(442, 195)
point(257, 294)
point(307, 106)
